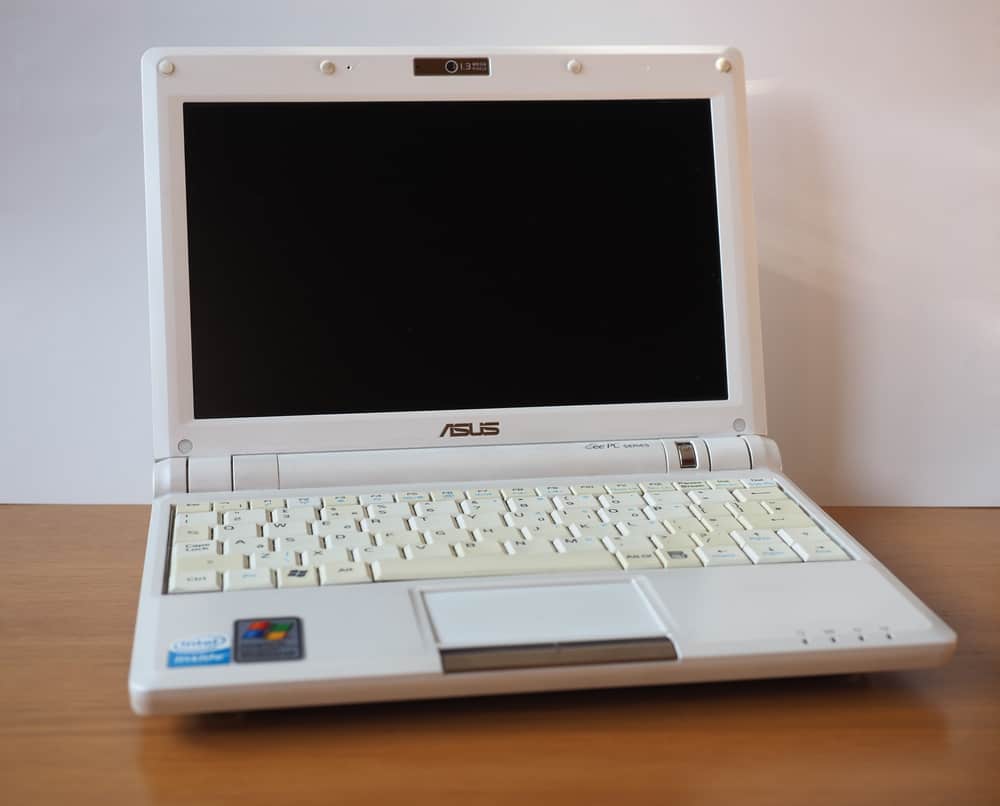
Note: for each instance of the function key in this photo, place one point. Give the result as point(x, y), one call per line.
point(267, 503)
point(204, 506)
point(588, 489)
point(554, 489)
point(339, 500)
point(519, 492)
point(305, 501)
point(483, 492)
point(725, 484)
point(653, 486)
point(447, 495)
point(759, 482)
point(622, 487)
point(377, 498)
point(412, 495)
point(228, 506)
point(684, 486)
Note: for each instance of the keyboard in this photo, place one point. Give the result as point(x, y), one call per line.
point(281, 542)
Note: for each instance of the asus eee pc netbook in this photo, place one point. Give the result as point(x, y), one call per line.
point(458, 387)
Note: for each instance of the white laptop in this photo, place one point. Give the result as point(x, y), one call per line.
point(458, 387)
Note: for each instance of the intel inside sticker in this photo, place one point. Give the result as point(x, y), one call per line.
point(202, 650)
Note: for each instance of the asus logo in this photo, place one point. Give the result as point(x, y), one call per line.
point(466, 430)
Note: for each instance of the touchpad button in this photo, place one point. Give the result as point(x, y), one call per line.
point(542, 625)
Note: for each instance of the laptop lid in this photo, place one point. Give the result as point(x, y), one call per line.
point(372, 248)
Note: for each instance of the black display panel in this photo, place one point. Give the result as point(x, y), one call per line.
point(413, 256)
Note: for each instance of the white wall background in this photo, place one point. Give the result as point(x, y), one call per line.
point(875, 130)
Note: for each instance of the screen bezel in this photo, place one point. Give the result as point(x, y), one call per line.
point(238, 74)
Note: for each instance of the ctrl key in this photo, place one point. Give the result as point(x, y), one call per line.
point(194, 582)
point(344, 573)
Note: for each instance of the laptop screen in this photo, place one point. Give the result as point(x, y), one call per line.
point(417, 256)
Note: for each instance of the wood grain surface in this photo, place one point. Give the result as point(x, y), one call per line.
point(67, 607)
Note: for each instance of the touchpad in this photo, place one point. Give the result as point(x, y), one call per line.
point(546, 625)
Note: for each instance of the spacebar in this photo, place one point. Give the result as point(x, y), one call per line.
point(437, 568)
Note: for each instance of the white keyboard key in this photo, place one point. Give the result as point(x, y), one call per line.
point(349, 540)
point(811, 533)
point(247, 579)
point(725, 484)
point(447, 536)
point(567, 517)
point(276, 530)
point(499, 534)
point(687, 486)
point(412, 496)
point(343, 512)
point(640, 560)
point(297, 577)
point(429, 523)
point(623, 501)
point(538, 503)
point(332, 527)
point(714, 540)
point(267, 503)
point(298, 543)
point(343, 573)
point(619, 487)
point(383, 525)
point(530, 520)
point(480, 519)
point(196, 519)
point(293, 514)
point(243, 545)
point(416, 552)
point(758, 537)
point(204, 506)
point(819, 551)
point(339, 500)
point(399, 539)
point(207, 548)
point(397, 510)
point(308, 501)
point(194, 582)
point(597, 530)
point(722, 555)
point(711, 496)
point(483, 492)
point(529, 546)
point(479, 548)
point(721, 523)
point(630, 516)
point(377, 498)
point(484, 505)
point(776, 552)
point(547, 533)
point(717, 510)
point(371, 553)
point(245, 516)
point(759, 482)
point(646, 529)
point(668, 512)
point(576, 502)
point(764, 521)
point(429, 508)
point(654, 486)
point(447, 495)
point(784, 506)
point(625, 543)
point(231, 531)
point(274, 559)
point(519, 492)
point(759, 494)
point(192, 534)
point(687, 526)
point(666, 497)
point(680, 558)
point(588, 489)
point(214, 562)
point(678, 541)
point(590, 543)
point(443, 568)
point(229, 505)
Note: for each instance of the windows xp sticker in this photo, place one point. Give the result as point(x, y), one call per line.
point(201, 650)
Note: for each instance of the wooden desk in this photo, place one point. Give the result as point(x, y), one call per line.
point(67, 604)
